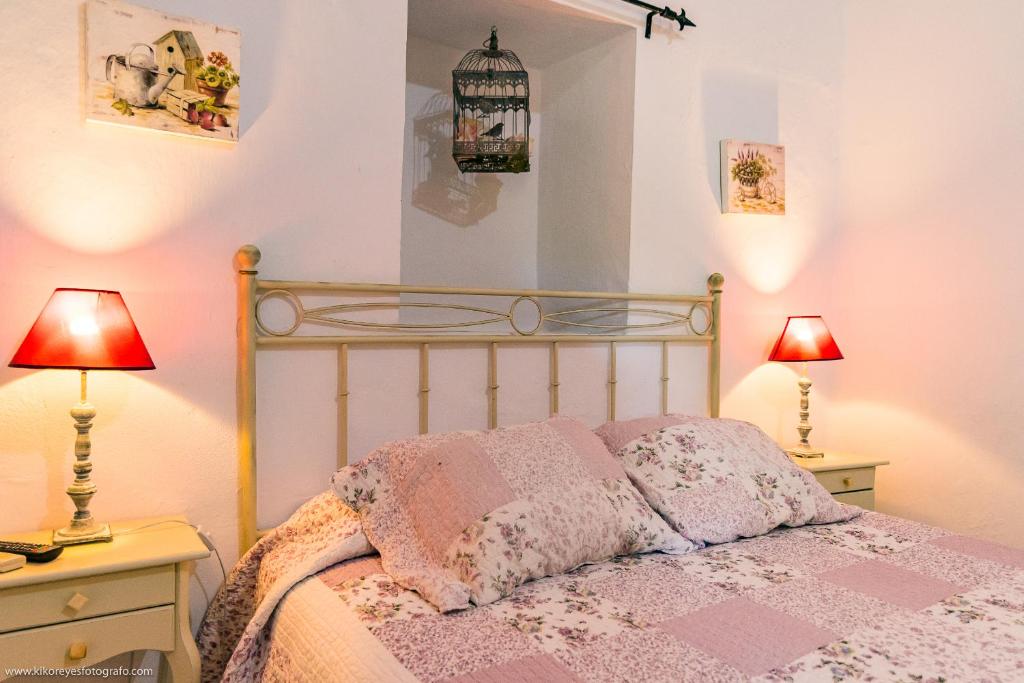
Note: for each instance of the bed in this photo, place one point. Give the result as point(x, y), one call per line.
point(873, 598)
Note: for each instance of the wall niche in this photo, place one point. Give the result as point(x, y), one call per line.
point(563, 225)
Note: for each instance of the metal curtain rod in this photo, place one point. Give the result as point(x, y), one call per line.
point(666, 12)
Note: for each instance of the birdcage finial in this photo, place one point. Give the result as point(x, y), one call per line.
point(492, 42)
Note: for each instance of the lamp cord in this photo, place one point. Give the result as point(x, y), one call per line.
point(202, 536)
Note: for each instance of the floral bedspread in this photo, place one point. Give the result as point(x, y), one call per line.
point(876, 599)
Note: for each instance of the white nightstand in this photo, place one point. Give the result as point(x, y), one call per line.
point(849, 478)
point(99, 600)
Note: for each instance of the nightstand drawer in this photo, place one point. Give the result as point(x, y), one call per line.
point(86, 642)
point(840, 481)
point(864, 499)
point(60, 601)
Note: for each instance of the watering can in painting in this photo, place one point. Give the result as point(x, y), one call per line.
point(136, 78)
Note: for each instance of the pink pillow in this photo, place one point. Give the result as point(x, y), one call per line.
point(468, 516)
point(716, 480)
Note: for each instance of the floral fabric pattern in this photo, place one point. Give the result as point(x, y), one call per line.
point(232, 637)
point(789, 615)
point(468, 517)
point(716, 480)
point(506, 548)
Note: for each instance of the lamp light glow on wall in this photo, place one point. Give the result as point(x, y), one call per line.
point(83, 329)
point(805, 338)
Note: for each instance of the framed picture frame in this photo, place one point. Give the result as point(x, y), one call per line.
point(753, 177)
point(148, 69)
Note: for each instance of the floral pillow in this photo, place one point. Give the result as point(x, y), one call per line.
point(716, 480)
point(468, 516)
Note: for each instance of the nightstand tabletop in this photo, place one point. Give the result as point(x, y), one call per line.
point(838, 461)
point(168, 542)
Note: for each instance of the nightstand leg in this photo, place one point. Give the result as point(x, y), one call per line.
point(182, 664)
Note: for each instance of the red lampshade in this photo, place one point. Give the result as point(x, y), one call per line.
point(805, 337)
point(84, 329)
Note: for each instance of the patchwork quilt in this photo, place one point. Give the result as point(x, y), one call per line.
point(876, 598)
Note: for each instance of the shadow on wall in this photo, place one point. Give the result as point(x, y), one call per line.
point(439, 188)
point(739, 105)
point(261, 28)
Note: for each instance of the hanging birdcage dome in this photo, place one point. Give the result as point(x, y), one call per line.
point(491, 116)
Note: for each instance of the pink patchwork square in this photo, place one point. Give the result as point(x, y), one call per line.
point(825, 604)
point(752, 638)
point(963, 571)
point(450, 488)
point(983, 549)
point(353, 569)
point(658, 592)
point(589, 450)
point(444, 646)
point(887, 582)
point(650, 655)
point(534, 669)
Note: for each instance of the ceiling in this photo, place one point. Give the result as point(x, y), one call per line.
point(540, 32)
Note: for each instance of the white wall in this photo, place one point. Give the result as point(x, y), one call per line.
point(316, 182)
point(587, 166)
point(927, 273)
point(442, 242)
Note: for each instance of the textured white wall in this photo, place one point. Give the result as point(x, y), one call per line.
point(927, 279)
point(315, 181)
point(586, 176)
point(499, 249)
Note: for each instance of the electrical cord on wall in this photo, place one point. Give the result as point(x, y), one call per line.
point(203, 536)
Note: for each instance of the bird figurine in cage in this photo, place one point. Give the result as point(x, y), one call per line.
point(491, 112)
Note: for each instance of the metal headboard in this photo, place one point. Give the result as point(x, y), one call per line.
point(668, 325)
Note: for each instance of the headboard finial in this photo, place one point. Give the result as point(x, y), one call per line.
point(246, 258)
point(715, 282)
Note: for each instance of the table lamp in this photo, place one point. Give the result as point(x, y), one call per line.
point(83, 329)
point(805, 338)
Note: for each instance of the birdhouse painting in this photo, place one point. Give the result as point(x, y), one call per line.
point(753, 178)
point(179, 50)
point(148, 69)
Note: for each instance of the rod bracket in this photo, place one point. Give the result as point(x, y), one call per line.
point(665, 12)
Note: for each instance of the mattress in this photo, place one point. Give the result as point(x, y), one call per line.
point(876, 598)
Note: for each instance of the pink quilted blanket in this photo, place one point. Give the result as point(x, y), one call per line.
point(877, 598)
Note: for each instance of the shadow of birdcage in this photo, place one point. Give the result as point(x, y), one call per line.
point(438, 187)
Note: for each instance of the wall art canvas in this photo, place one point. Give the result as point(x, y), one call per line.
point(753, 178)
point(149, 69)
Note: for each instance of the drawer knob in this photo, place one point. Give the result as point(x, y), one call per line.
point(847, 482)
point(76, 603)
point(77, 651)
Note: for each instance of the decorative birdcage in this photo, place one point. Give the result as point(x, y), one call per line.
point(491, 116)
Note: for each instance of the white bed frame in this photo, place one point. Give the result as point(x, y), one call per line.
point(669, 324)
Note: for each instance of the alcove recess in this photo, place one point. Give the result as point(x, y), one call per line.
point(563, 225)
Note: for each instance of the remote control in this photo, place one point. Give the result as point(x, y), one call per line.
point(33, 552)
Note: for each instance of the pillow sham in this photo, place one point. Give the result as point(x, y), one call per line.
point(716, 479)
point(468, 516)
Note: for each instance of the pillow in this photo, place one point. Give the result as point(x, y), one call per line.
point(716, 480)
point(468, 516)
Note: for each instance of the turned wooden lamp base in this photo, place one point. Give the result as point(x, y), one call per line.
point(804, 449)
point(801, 453)
point(93, 534)
point(83, 528)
